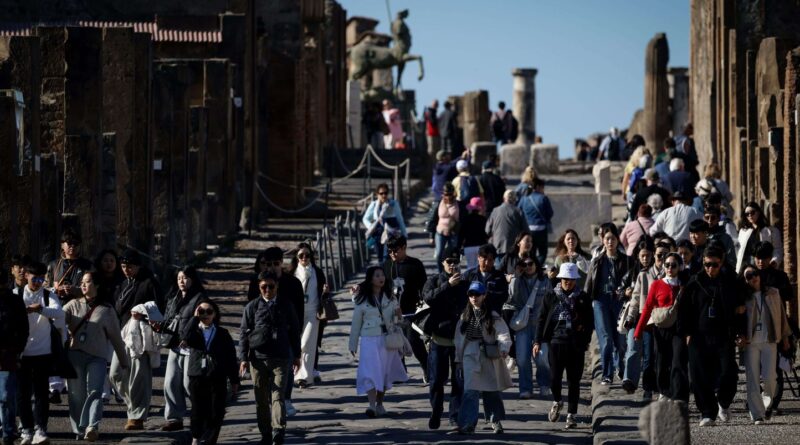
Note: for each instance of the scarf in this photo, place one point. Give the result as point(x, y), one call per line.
point(674, 282)
point(565, 307)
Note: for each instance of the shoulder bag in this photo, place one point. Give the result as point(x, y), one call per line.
point(521, 317)
point(327, 309)
point(665, 317)
point(394, 339)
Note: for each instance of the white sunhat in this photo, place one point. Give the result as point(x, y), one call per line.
point(568, 271)
point(462, 165)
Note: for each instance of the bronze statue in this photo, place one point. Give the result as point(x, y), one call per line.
point(365, 56)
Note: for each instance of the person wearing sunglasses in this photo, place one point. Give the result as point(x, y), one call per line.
point(92, 325)
point(314, 290)
point(35, 368)
point(383, 218)
point(479, 331)
point(269, 346)
point(446, 295)
point(526, 293)
point(712, 321)
point(716, 233)
point(187, 292)
point(663, 293)
point(565, 325)
point(261, 265)
point(767, 330)
point(755, 227)
point(14, 332)
point(64, 274)
point(211, 365)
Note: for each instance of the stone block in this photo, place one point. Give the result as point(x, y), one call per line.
point(513, 159)
point(544, 158)
point(476, 117)
point(481, 151)
point(665, 423)
point(602, 177)
point(579, 211)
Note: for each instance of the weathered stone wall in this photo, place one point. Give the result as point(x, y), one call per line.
point(476, 117)
point(656, 118)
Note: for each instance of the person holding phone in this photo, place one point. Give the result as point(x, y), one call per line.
point(446, 295)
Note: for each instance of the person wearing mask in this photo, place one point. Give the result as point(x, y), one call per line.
point(675, 220)
point(526, 293)
point(383, 219)
point(767, 329)
point(291, 290)
point(565, 324)
point(261, 265)
point(603, 285)
point(492, 184)
point(109, 275)
point(64, 274)
point(269, 346)
point(92, 325)
point(211, 365)
point(143, 352)
point(482, 343)
point(505, 222)
point(14, 332)
point(446, 295)
point(569, 250)
point(375, 313)
point(471, 233)
point(754, 228)
point(663, 293)
point(315, 289)
point(494, 280)
point(44, 312)
point(406, 277)
point(445, 224)
point(712, 320)
point(636, 229)
point(539, 214)
point(183, 300)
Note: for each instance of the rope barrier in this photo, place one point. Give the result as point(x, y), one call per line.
point(281, 209)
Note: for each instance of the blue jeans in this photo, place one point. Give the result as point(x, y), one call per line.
point(86, 392)
point(441, 364)
point(524, 349)
point(612, 344)
point(379, 248)
point(648, 362)
point(492, 407)
point(633, 358)
point(443, 245)
point(8, 403)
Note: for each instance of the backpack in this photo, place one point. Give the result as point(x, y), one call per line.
point(613, 150)
point(498, 128)
point(636, 176)
point(514, 131)
point(468, 188)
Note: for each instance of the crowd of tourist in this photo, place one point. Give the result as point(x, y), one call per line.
point(671, 296)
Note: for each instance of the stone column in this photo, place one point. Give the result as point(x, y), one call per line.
point(216, 101)
point(354, 114)
point(196, 166)
point(791, 201)
point(656, 91)
point(476, 117)
point(678, 79)
point(524, 104)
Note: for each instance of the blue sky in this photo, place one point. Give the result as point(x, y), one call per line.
point(589, 53)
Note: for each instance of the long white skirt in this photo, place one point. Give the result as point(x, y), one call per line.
point(378, 368)
point(308, 346)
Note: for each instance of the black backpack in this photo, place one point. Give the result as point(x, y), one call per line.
point(468, 188)
point(613, 150)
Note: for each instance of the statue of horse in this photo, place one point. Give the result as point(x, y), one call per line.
point(365, 56)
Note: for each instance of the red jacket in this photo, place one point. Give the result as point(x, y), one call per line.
point(660, 294)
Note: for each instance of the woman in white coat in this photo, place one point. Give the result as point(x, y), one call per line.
point(315, 289)
point(482, 344)
point(767, 329)
point(374, 315)
point(754, 228)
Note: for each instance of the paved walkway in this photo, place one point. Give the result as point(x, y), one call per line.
point(331, 413)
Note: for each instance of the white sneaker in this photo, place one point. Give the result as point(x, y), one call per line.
point(724, 414)
point(40, 438)
point(662, 397)
point(705, 421)
point(290, 409)
point(555, 411)
point(26, 437)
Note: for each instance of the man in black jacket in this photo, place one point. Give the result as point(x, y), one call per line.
point(139, 287)
point(446, 294)
point(712, 320)
point(269, 345)
point(407, 275)
point(65, 273)
point(292, 292)
point(494, 280)
point(493, 185)
point(652, 188)
point(14, 332)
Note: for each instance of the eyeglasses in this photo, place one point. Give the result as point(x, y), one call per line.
point(383, 193)
point(750, 275)
point(671, 265)
point(394, 249)
point(750, 213)
point(451, 262)
point(303, 255)
point(661, 255)
point(267, 286)
point(711, 265)
point(202, 312)
point(37, 280)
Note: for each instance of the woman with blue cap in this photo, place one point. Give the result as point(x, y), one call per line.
point(482, 344)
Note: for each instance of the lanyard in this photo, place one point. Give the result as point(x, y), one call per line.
point(759, 307)
point(208, 341)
